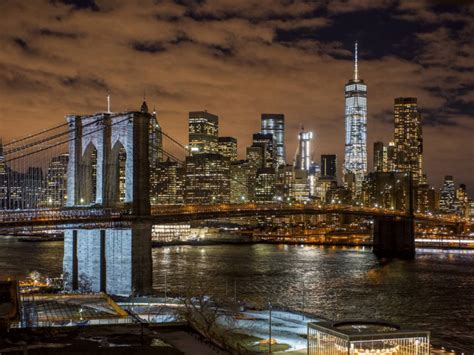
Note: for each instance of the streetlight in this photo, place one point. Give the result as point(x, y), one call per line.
point(269, 327)
point(303, 301)
point(166, 286)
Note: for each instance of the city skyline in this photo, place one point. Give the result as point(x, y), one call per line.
point(325, 58)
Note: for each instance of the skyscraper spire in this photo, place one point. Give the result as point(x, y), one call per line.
point(356, 67)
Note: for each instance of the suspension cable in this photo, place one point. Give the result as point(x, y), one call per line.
point(35, 134)
point(60, 143)
point(47, 139)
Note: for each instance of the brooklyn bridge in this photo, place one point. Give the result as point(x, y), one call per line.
point(100, 145)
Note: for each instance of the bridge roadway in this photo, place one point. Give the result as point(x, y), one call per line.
point(184, 213)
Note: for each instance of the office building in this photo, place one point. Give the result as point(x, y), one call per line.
point(433, 200)
point(265, 185)
point(423, 201)
point(447, 196)
point(462, 200)
point(267, 143)
point(203, 132)
point(323, 186)
point(239, 192)
point(169, 186)
point(207, 179)
point(56, 182)
point(355, 153)
point(303, 155)
point(285, 182)
point(408, 138)
point(228, 147)
point(255, 157)
point(274, 123)
point(328, 166)
point(301, 186)
point(380, 157)
point(384, 157)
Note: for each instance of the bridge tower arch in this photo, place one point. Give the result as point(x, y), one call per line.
point(111, 134)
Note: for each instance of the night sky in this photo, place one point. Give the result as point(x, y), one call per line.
point(238, 59)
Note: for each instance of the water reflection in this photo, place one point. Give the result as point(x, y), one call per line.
point(117, 261)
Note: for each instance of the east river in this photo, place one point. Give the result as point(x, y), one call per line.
point(434, 292)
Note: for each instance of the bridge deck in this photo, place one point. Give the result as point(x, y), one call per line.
point(183, 213)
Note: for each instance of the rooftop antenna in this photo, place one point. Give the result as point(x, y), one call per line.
point(108, 103)
point(356, 68)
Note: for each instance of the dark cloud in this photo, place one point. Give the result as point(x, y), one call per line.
point(79, 4)
point(58, 34)
point(20, 42)
point(148, 47)
point(85, 83)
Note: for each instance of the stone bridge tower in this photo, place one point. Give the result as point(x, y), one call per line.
point(108, 161)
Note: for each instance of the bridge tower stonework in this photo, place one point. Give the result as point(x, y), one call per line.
point(100, 145)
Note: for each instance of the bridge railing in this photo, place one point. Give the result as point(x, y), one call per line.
point(55, 214)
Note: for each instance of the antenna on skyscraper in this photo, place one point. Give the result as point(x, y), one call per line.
point(108, 103)
point(356, 68)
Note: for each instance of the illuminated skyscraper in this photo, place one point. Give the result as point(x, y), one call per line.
point(56, 182)
point(203, 132)
point(328, 166)
point(268, 144)
point(170, 183)
point(461, 201)
point(228, 147)
point(355, 158)
point(303, 158)
point(274, 123)
point(380, 157)
point(265, 185)
point(239, 192)
point(447, 196)
point(408, 137)
point(207, 179)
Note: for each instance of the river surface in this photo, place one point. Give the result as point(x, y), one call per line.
point(433, 292)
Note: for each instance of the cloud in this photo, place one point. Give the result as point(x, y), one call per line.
point(58, 58)
point(346, 6)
